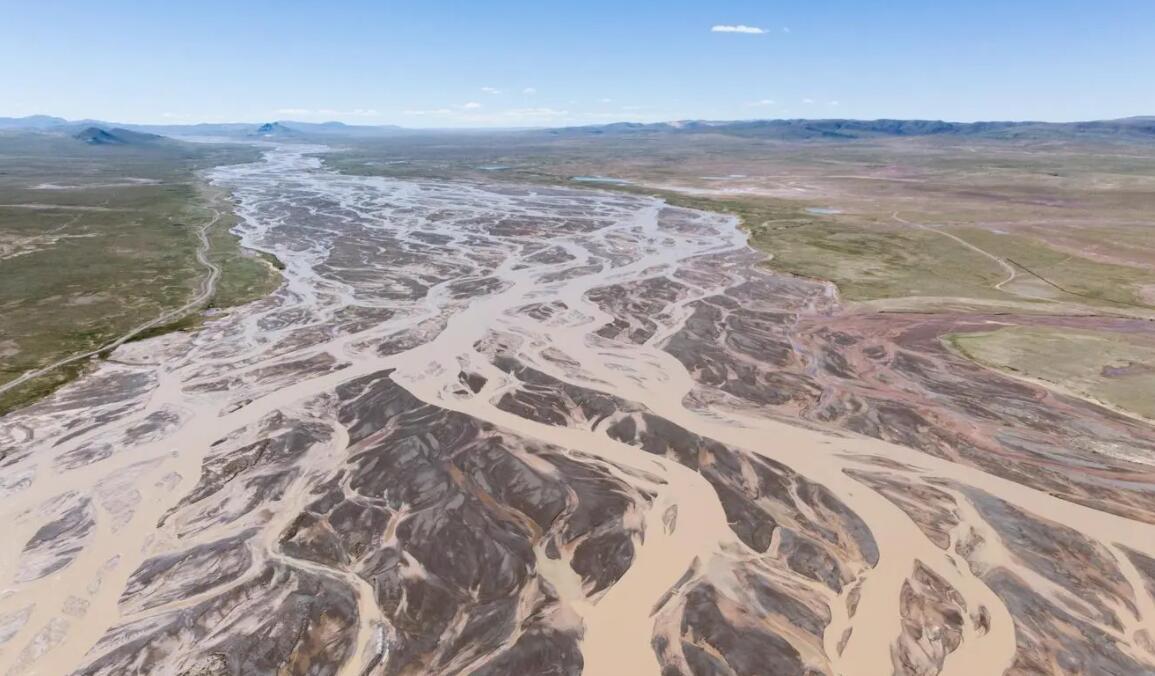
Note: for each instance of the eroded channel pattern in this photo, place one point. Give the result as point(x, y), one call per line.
point(489, 429)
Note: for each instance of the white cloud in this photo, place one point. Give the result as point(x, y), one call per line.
point(456, 111)
point(737, 28)
point(605, 100)
point(511, 117)
point(529, 90)
point(422, 113)
point(785, 29)
point(833, 103)
point(490, 90)
point(328, 112)
point(529, 114)
point(807, 101)
point(761, 102)
point(619, 116)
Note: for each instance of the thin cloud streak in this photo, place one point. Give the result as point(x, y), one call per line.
point(737, 28)
point(509, 117)
point(329, 112)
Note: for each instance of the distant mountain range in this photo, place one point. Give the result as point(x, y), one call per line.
point(34, 122)
point(277, 129)
point(97, 136)
point(1131, 128)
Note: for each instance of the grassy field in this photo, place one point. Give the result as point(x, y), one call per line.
point(883, 261)
point(95, 240)
point(1114, 368)
point(1072, 220)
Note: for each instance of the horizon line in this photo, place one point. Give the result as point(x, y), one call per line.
point(387, 125)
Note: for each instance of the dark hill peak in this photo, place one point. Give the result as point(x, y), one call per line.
point(99, 136)
point(96, 136)
point(274, 129)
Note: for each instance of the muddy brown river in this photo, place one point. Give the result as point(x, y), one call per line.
point(491, 429)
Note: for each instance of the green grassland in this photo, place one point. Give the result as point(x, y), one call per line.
point(1060, 275)
point(1117, 369)
point(246, 275)
point(95, 240)
point(866, 263)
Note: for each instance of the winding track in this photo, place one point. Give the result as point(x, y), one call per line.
point(207, 288)
point(1002, 263)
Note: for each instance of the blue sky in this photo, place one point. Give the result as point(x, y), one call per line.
point(515, 63)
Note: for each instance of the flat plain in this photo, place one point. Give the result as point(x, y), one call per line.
point(613, 401)
point(98, 239)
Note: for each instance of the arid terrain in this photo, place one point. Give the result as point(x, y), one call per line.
point(738, 412)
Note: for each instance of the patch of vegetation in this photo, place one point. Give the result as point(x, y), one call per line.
point(276, 263)
point(1069, 277)
point(246, 275)
point(97, 239)
point(878, 260)
point(865, 262)
point(30, 391)
point(186, 323)
point(1116, 369)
